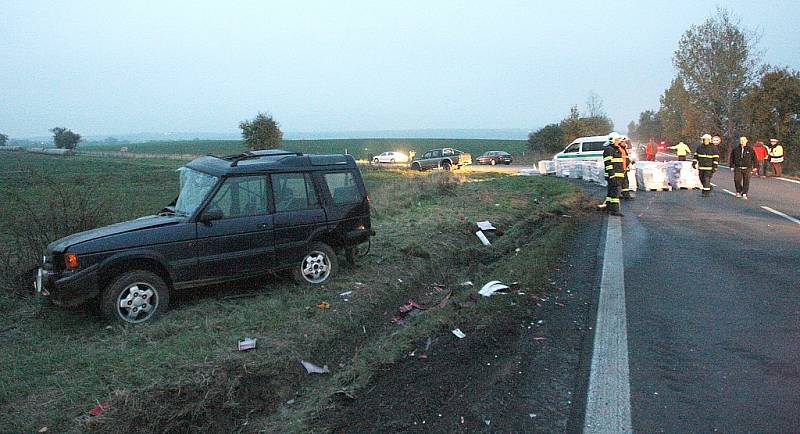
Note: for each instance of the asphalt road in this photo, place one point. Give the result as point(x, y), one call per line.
point(712, 302)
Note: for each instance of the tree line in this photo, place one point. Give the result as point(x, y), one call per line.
point(721, 87)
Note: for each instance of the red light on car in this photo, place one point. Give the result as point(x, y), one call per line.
point(71, 261)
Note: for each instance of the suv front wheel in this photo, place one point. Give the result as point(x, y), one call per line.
point(135, 297)
point(318, 265)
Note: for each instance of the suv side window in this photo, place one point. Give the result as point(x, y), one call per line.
point(343, 188)
point(241, 196)
point(428, 154)
point(575, 147)
point(593, 146)
point(437, 153)
point(448, 152)
point(293, 191)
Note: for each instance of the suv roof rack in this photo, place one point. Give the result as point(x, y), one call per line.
point(249, 155)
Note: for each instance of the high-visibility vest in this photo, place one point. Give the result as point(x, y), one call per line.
point(777, 154)
point(681, 149)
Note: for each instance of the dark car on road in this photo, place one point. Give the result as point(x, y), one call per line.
point(235, 217)
point(495, 157)
point(444, 158)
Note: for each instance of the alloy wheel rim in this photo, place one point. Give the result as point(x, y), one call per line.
point(137, 302)
point(316, 267)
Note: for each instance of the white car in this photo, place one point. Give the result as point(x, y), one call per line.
point(391, 157)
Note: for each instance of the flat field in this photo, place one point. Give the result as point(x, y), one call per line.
point(183, 373)
point(359, 148)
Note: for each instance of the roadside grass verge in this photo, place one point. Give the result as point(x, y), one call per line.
point(183, 373)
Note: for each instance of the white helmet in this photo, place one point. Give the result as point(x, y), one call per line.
point(613, 136)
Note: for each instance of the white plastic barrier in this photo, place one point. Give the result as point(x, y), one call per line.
point(594, 171)
point(680, 174)
point(652, 175)
point(10, 148)
point(632, 184)
point(547, 167)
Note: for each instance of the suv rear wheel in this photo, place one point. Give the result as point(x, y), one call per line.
point(446, 165)
point(318, 265)
point(135, 297)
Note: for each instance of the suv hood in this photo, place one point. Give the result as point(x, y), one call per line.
point(115, 229)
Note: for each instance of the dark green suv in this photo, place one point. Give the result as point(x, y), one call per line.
point(235, 217)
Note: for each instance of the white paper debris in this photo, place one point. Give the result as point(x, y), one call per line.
point(247, 344)
point(459, 334)
point(486, 226)
point(483, 238)
point(314, 369)
point(346, 293)
point(490, 288)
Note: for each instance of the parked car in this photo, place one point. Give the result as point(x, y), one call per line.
point(445, 158)
point(391, 157)
point(235, 217)
point(495, 157)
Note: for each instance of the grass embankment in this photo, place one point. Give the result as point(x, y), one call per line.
point(359, 148)
point(183, 373)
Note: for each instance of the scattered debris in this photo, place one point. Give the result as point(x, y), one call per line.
point(346, 293)
point(485, 226)
point(566, 215)
point(492, 287)
point(99, 408)
point(400, 280)
point(467, 283)
point(411, 305)
point(43, 429)
point(428, 344)
point(560, 304)
point(459, 334)
point(247, 344)
point(483, 238)
point(540, 338)
point(314, 369)
point(290, 402)
point(324, 305)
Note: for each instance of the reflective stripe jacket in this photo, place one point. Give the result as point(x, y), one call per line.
point(614, 160)
point(776, 154)
point(707, 157)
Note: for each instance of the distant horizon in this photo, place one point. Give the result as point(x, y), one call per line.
point(422, 133)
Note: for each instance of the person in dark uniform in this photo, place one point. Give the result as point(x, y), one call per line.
point(743, 161)
point(706, 161)
point(613, 158)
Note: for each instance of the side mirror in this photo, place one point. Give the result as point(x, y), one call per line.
point(210, 215)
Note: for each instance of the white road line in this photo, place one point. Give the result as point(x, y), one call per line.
point(787, 217)
point(713, 185)
point(729, 192)
point(608, 402)
point(790, 180)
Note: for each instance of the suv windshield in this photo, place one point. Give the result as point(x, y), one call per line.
point(194, 188)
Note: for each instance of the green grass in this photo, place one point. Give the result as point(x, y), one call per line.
point(360, 148)
point(183, 373)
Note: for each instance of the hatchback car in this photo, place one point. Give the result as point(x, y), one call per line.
point(495, 157)
point(235, 217)
point(391, 157)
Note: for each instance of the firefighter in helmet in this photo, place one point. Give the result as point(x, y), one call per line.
point(706, 160)
point(614, 156)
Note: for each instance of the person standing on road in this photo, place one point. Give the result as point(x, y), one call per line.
point(627, 166)
point(681, 150)
point(706, 160)
point(776, 157)
point(650, 151)
point(762, 156)
point(613, 158)
point(743, 161)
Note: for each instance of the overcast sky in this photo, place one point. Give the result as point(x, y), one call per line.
point(141, 66)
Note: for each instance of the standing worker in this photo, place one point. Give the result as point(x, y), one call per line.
point(650, 151)
point(681, 150)
point(776, 156)
point(706, 160)
point(762, 157)
point(627, 166)
point(743, 161)
point(613, 158)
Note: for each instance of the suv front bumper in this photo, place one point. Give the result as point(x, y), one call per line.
point(68, 289)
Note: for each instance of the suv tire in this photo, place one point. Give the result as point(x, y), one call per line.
point(446, 165)
point(145, 294)
point(416, 166)
point(376, 161)
point(318, 265)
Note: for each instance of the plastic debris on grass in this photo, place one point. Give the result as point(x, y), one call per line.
point(247, 344)
point(493, 287)
point(459, 334)
point(314, 369)
point(324, 305)
point(100, 408)
point(485, 226)
point(483, 238)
